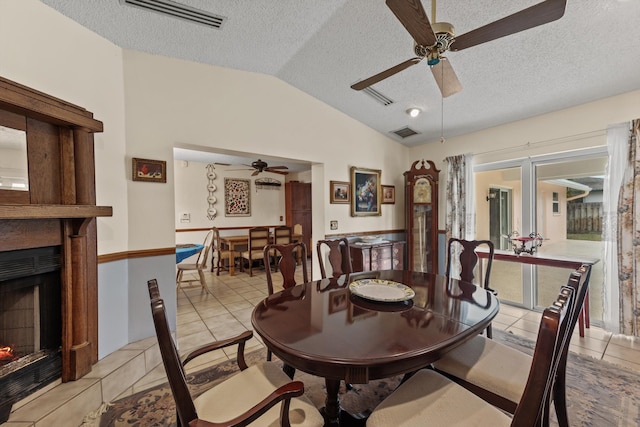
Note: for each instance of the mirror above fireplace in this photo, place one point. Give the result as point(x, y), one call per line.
point(14, 174)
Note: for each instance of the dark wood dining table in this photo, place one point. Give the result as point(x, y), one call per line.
point(322, 328)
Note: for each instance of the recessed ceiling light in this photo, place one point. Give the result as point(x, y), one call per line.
point(413, 112)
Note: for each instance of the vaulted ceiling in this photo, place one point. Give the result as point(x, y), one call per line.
point(322, 47)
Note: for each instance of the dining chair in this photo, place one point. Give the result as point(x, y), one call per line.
point(200, 265)
point(339, 256)
point(251, 394)
point(258, 239)
point(282, 235)
point(428, 397)
point(220, 253)
point(498, 373)
point(285, 257)
point(463, 259)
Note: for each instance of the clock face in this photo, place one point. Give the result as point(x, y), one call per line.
point(211, 175)
point(422, 191)
point(211, 187)
point(212, 199)
point(212, 212)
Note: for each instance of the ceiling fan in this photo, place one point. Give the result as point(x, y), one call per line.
point(262, 166)
point(431, 41)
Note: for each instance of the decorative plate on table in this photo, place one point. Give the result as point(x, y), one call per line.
point(381, 290)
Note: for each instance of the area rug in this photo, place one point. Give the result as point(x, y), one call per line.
point(599, 393)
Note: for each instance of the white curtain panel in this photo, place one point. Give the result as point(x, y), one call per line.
point(617, 143)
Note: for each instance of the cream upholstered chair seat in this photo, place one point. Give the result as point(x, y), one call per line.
point(262, 394)
point(428, 398)
point(500, 369)
point(498, 373)
point(239, 393)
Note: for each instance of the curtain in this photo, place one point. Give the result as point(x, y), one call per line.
point(456, 209)
point(629, 238)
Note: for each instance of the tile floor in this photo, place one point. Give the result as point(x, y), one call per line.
point(223, 312)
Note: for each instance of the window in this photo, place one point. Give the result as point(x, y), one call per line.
point(556, 203)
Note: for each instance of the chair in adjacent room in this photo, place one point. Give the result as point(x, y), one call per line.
point(261, 392)
point(339, 257)
point(258, 239)
point(430, 398)
point(285, 257)
point(498, 373)
point(462, 256)
point(199, 266)
point(282, 235)
point(220, 253)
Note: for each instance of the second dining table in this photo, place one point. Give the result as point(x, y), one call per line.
point(331, 329)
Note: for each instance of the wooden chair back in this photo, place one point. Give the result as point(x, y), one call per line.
point(282, 235)
point(286, 263)
point(579, 283)
point(203, 256)
point(170, 358)
point(219, 252)
point(339, 257)
point(465, 251)
point(553, 332)
point(258, 239)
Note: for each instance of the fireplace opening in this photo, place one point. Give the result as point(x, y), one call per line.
point(30, 323)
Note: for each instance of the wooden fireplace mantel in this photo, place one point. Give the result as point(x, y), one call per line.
point(53, 211)
point(59, 209)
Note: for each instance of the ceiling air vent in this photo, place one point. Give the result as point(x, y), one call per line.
point(405, 132)
point(377, 96)
point(177, 10)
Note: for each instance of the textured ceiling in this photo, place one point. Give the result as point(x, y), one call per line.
point(323, 46)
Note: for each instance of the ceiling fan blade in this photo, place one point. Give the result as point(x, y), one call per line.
point(281, 172)
point(412, 15)
point(539, 14)
point(277, 167)
point(256, 172)
point(446, 78)
point(362, 84)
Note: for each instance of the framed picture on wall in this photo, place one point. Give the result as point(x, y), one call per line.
point(388, 195)
point(149, 170)
point(237, 197)
point(366, 192)
point(339, 192)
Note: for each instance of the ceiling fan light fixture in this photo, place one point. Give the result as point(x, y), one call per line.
point(413, 112)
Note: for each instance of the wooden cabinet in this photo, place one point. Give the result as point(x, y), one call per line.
point(377, 256)
point(298, 209)
point(421, 216)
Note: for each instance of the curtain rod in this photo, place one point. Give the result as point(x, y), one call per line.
point(542, 143)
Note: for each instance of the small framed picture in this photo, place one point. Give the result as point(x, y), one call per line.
point(149, 170)
point(338, 300)
point(340, 192)
point(388, 194)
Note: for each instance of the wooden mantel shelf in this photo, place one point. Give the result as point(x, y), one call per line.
point(53, 211)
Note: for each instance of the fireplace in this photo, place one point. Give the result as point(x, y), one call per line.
point(48, 245)
point(30, 322)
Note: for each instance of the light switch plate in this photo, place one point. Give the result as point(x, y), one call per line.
point(334, 225)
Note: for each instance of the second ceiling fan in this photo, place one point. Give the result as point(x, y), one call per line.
point(431, 41)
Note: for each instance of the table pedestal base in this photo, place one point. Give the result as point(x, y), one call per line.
point(334, 415)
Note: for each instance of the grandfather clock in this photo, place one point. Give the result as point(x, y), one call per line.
point(421, 211)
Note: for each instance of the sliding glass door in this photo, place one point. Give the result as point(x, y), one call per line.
point(559, 197)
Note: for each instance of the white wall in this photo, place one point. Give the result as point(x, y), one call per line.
point(42, 49)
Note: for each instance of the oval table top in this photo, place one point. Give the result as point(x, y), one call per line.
point(323, 329)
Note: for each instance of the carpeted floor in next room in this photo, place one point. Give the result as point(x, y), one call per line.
point(600, 393)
